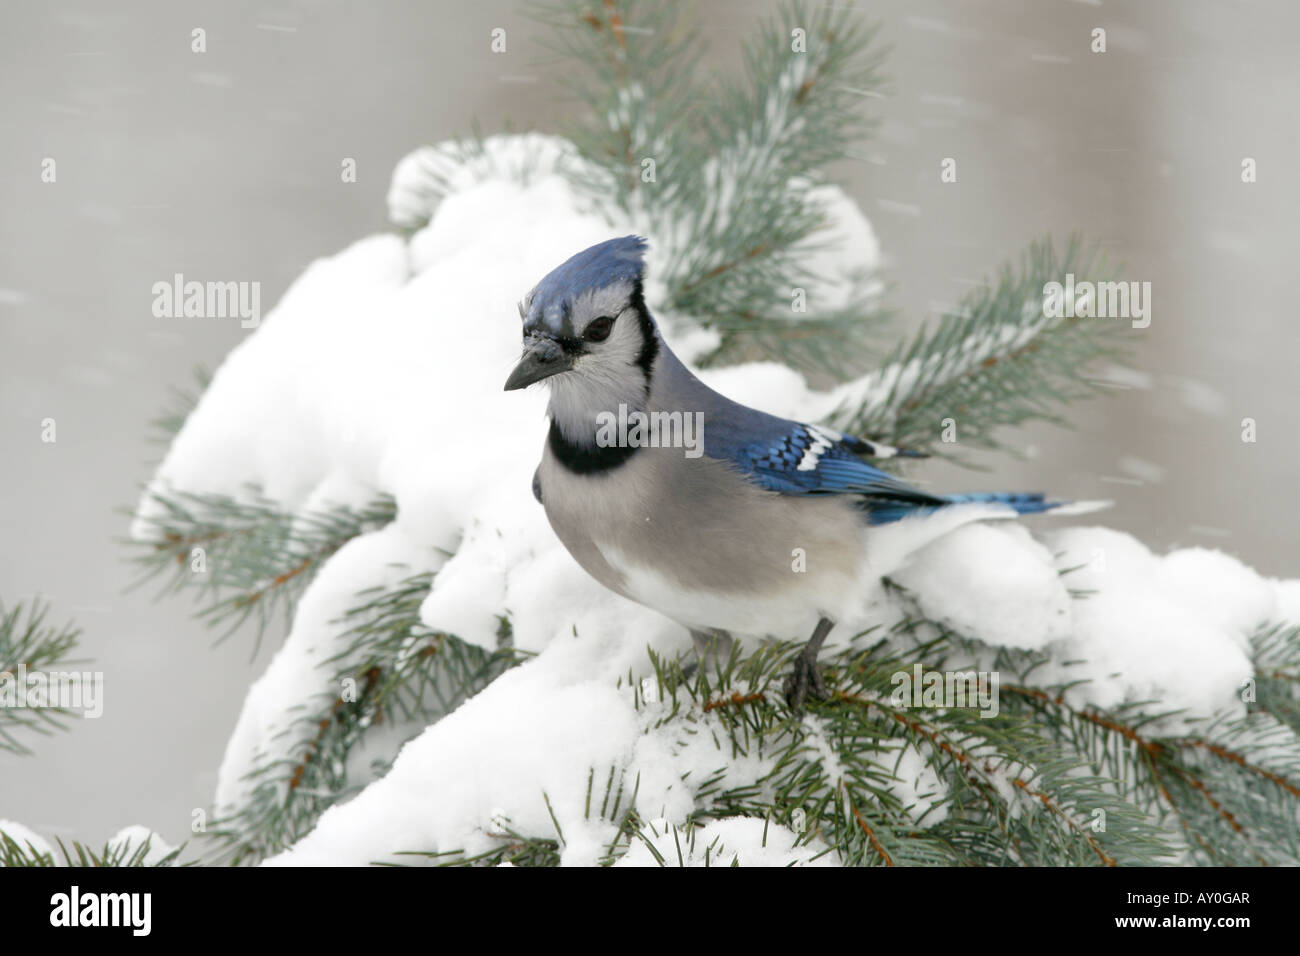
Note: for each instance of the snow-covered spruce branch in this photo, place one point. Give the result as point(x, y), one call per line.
point(996, 361)
point(1230, 784)
point(390, 671)
point(867, 783)
point(28, 643)
point(243, 557)
point(132, 847)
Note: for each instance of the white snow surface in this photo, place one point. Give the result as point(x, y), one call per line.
point(381, 370)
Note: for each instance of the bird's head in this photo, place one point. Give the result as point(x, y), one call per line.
point(587, 330)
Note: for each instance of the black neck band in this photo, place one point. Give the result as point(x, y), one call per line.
point(583, 459)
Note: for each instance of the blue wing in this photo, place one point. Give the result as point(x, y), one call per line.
point(812, 460)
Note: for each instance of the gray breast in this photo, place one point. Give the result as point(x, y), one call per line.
point(697, 522)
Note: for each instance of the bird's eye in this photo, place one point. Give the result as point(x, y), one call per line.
point(598, 329)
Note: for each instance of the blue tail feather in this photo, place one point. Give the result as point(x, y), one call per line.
point(884, 511)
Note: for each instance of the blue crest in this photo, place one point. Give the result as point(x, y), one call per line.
point(615, 260)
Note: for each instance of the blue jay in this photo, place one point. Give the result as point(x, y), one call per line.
point(706, 538)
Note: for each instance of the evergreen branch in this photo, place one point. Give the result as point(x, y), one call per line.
point(1239, 760)
point(991, 772)
point(27, 643)
point(743, 185)
point(974, 756)
point(998, 361)
point(1061, 719)
point(12, 853)
point(427, 176)
point(182, 402)
point(1277, 668)
point(515, 848)
point(754, 215)
point(1185, 790)
point(1051, 804)
point(246, 558)
point(871, 834)
point(391, 670)
point(632, 67)
point(422, 672)
point(249, 545)
point(794, 112)
point(423, 179)
point(1139, 768)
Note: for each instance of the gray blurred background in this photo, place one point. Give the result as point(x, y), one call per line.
point(225, 165)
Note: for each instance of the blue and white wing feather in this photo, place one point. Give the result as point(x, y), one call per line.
point(815, 460)
point(812, 459)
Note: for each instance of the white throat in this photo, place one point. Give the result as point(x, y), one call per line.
point(580, 396)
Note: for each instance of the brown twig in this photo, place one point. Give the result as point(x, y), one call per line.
point(871, 835)
point(1051, 805)
point(736, 699)
point(371, 676)
point(1236, 758)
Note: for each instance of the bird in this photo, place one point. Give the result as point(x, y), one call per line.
point(706, 529)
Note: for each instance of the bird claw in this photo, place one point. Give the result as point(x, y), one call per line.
point(805, 681)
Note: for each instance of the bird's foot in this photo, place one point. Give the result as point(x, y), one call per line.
point(805, 681)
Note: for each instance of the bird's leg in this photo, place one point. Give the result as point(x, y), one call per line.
point(806, 677)
point(711, 647)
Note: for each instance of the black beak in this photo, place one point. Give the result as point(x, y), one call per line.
point(542, 358)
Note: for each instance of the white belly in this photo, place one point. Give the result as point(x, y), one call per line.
point(789, 612)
